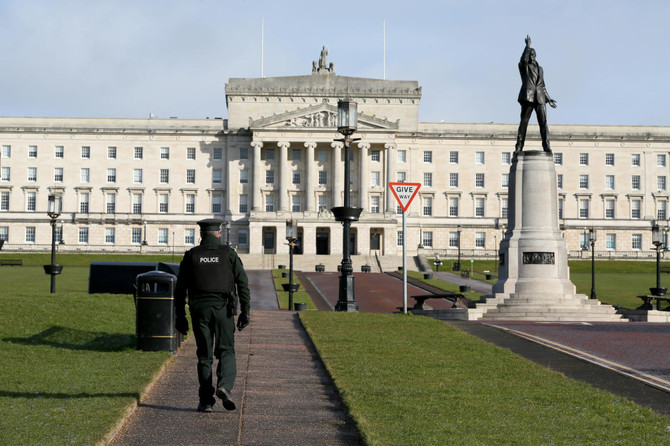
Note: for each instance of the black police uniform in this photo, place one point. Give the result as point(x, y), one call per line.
point(212, 274)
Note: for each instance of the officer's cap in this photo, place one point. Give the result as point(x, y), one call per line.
point(210, 224)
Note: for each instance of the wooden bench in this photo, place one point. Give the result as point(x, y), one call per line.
point(459, 300)
point(11, 262)
point(649, 299)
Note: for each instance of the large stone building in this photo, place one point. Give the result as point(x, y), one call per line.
point(131, 185)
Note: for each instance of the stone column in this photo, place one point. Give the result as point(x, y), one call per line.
point(309, 176)
point(338, 174)
point(256, 180)
point(390, 176)
point(363, 181)
point(284, 172)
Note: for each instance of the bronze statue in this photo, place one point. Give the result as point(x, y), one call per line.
point(533, 96)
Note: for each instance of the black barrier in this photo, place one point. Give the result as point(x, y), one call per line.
point(155, 313)
point(119, 277)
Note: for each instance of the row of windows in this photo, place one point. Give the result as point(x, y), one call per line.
point(112, 152)
point(636, 159)
point(635, 182)
point(85, 175)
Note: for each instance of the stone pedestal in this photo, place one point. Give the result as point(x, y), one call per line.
point(533, 275)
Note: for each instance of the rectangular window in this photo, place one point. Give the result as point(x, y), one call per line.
point(506, 158)
point(136, 236)
point(111, 203)
point(609, 159)
point(583, 181)
point(83, 235)
point(137, 203)
point(479, 207)
point(323, 203)
point(375, 178)
point(165, 153)
point(85, 152)
point(5, 174)
point(296, 205)
point(583, 208)
point(110, 235)
point(558, 158)
point(243, 237)
point(427, 239)
point(190, 153)
point(453, 179)
point(375, 155)
point(83, 202)
point(323, 177)
point(610, 209)
point(636, 241)
point(296, 177)
point(217, 176)
point(322, 155)
point(244, 204)
point(401, 177)
point(583, 159)
point(660, 160)
point(479, 158)
point(164, 176)
point(269, 203)
point(31, 201)
point(163, 203)
point(32, 174)
point(479, 180)
point(560, 207)
point(217, 154)
point(138, 153)
point(453, 207)
point(505, 180)
point(635, 182)
point(427, 206)
point(428, 179)
point(4, 233)
point(660, 182)
point(427, 156)
point(635, 159)
point(244, 153)
point(402, 156)
point(190, 203)
point(189, 236)
point(635, 206)
point(453, 239)
point(505, 207)
point(111, 152)
point(374, 204)
point(32, 151)
point(137, 175)
point(190, 176)
point(6, 151)
point(58, 174)
point(84, 175)
point(399, 238)
point(244, 176)
point(59, 152)
point(480, 239)
point(296, 155)
point(609, 182)
point(661, 210)
point(453, 157)
point(610, 241)
point(30, 234)
point(269, 177)
point(163, 236)
point(4, 201)
point(111, 175)
point(217, 203)
point(269, 154)
point(559, 180)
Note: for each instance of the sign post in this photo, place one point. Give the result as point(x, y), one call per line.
point(404, 193)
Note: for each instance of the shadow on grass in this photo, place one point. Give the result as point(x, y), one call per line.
point(49, 395)
point(72, 339)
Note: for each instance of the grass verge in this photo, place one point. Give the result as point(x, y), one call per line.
point(298, 296)
point(416, 381)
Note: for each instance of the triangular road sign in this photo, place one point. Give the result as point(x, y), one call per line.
point(404, 193)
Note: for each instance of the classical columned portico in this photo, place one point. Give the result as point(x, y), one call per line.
point(309, 176)
point(362, 177)
point(284, 173)
point(390, 176)
point(338, 173)
point(256, 197)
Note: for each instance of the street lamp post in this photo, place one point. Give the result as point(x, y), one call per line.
point(292, 238)
point(457, 266)
point(144, 240)
point(657, 240)
point(592, 240)
point(347, 122)
point(54, 210)
point(228, 233)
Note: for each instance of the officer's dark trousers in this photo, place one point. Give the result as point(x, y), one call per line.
point(214, 337)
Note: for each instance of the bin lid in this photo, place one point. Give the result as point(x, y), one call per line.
point(155, 276)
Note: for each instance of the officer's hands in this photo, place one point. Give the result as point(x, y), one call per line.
point(182, 324)
point(242, 321)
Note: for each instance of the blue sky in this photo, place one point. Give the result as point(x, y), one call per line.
point(605, 62)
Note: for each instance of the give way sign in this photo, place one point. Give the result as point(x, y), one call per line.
point(404, 193)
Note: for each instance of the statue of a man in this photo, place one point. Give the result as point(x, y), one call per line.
point(533, 96)
point(322, 59)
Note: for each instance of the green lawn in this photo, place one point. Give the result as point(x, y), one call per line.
point(411, 380)
point(298, 296)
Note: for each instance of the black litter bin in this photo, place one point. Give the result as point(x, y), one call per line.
point(155, 313)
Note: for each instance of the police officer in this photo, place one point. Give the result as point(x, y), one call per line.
point(212, 274)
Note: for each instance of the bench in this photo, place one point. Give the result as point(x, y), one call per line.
point(649, 299)
point(458, 299)
point(11, 262)
point(465, 273)
point(488, 275)
point(664, 269)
